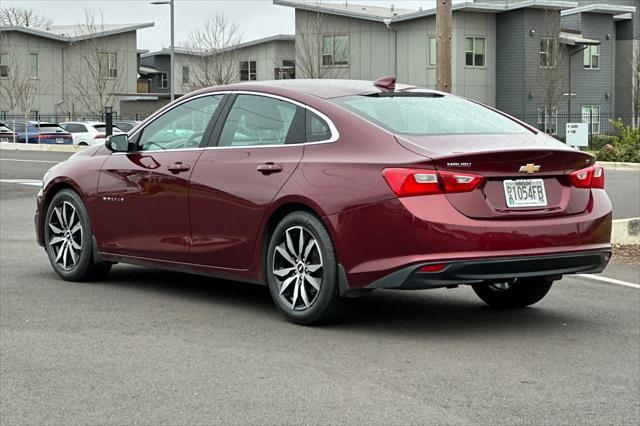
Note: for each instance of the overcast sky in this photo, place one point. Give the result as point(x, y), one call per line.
point(256, 18)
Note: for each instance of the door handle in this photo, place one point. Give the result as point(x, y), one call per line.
point(178, 167)
point(268, 168)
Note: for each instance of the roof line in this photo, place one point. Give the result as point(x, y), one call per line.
point(50, 34)
point(605, 8)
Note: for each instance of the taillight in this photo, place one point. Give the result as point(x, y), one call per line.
point(591, 177)
point(100, 136)
point(410, 182)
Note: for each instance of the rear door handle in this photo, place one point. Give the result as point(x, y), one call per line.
point(268, 168)
point(178, 167)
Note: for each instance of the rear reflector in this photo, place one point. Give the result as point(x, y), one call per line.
point(433, 268)
point(410, 182)
point(591, 177)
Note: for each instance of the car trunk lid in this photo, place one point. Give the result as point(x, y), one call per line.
point(523, 159)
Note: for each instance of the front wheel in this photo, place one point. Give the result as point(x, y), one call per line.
point(68, 241)
point(516, 293)
point(302, 272)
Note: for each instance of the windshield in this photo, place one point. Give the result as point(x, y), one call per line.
point(429, 114)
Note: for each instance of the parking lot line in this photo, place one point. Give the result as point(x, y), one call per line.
point(610, 280)
point(30, 182)
point(29, 161)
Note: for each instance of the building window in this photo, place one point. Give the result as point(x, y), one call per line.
point(4, 65)
point(591, 114)
point(548, 119)
point(591, 57)
point(432, 51)
point(162, 80)
point(247, 70)
point(335, 50)
point(33, 65)
point(185, 75)
point(108, 64)
point(548, 48)
point(474, 51)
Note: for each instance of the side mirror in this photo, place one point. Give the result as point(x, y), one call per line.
point(118, 142)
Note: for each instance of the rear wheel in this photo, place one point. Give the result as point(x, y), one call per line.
point(68, 239)
point(302, 272)
point(516, 293)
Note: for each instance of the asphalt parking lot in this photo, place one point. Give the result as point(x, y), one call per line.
point(155, 347)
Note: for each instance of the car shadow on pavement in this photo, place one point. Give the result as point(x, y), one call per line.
point(449, 312)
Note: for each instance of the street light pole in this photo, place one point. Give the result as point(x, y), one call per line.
point(172, 60)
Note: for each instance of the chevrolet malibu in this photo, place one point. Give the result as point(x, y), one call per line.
point(325, 190)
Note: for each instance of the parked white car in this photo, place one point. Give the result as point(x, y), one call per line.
point(87, 132)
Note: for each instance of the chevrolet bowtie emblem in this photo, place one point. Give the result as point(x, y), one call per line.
point(529, 168)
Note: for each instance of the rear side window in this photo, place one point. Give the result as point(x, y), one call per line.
point(430, 115)
point(317, 129)
point(259, 120)
point(75, 128)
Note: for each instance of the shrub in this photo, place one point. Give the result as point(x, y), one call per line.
point(625, 147)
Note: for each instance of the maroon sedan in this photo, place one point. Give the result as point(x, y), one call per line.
point(324, 190)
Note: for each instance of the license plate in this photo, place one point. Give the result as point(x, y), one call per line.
point(59, 140)
point(4, 140)
point(525, 193)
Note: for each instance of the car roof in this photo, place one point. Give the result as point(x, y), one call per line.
point(321, 88)
point(91, 123)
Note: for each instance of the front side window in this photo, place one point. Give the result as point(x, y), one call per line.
point(108, 64)
point(259, 120)
point(548, 119)
point(4, 65)
point(33, 65)
point(162, 80)
point(548, 48)
point(247, 70)
point(591, 57)
point(181, 127)
point(474, 51)
point(335, 50)
point(591, 114)
point(432, 51)
point(185, 75)
point(429, 114)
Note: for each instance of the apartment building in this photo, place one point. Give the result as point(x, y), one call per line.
point(513, 54)
point(267, 58)
point(66, 69)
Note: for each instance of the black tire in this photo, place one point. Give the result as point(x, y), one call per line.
point(326, 305)
point(83, 266)
point(523, 292)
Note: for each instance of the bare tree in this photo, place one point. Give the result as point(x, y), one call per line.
point(97, 73)
point(212, 57)
point(553, 75)
point(18, 16)
point(309, 46)
point(17, 88)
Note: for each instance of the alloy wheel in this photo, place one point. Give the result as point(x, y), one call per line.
point(65, 235)
point(297, 268)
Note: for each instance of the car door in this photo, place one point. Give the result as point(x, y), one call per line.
point(142, 195)
point(258, 148)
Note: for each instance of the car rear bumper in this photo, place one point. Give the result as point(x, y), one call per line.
point(496, 269)
point(375, 241)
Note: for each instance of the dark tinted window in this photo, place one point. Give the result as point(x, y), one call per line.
point(317, 128)
point(75, 128)
point(18, 127)
point(49, 128)
point(259, 120)
point(125, 126)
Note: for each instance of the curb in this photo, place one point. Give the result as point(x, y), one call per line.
point(9, 146)
point(626, 231)
point(619, 166)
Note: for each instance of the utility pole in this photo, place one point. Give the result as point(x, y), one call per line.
point(444, 20)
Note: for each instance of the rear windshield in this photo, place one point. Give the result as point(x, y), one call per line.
point(429, 114)
point(49, 128)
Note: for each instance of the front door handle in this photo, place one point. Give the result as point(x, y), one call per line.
point(178, 167)
point(268, 168)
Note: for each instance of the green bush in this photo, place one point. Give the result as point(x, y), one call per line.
point(625, 147)
point(599, 141)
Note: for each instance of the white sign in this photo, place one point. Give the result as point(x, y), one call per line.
point(578, 134)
